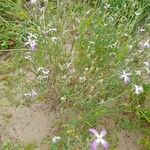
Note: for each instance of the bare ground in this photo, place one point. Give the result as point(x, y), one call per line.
point(28, 125)
point(121, 139)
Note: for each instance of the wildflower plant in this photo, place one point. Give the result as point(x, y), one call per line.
point(32, 41)
point(76, 52)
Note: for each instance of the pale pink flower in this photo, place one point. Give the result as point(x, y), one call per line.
point(32, 41)
point(126, 77)
point(99, 139)
point(146, 45)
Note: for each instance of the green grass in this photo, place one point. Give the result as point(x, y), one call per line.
point(100, 38)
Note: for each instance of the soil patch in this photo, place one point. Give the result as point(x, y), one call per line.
point(122, 140)
point(30, 124)
point(128, 141)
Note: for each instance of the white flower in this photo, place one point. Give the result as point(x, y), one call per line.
point(146, 45)
point(137, 13)
point(148, 70)
point(82, 79)
point(41, 77)
point(107, 6)
point(33, 1)
point(126, 77)
point(43, 73)
point(53, 29)
point(138, 89)
point(54, 39)
point(46, 72)
point(147, 63)
point(56, 139)
point(43, 70)
point(68, 65)
point(146, 67)
point(40, 68)
point(86, 69)
point(63, 99)
point(138, 72)
point(27, 55)
point(27, 94)
point(130, 47)
point(141, 29)
point(33, 94)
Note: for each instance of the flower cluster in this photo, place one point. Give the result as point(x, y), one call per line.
point(32, 41)
point(31, 94)
point(69, 67)
point(28, 56)
point(43, 73)
point(145, 44)
point(56, 139)
point(126, 78)
point(147, 67)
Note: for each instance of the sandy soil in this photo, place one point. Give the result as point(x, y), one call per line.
point(28, 125)
point(124, 139)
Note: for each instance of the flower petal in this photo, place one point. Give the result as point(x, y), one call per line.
point(103, 133)
point(104, 144)
point(92, 130)
point(33, 46)
point(126, 79)
point(94, 145)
